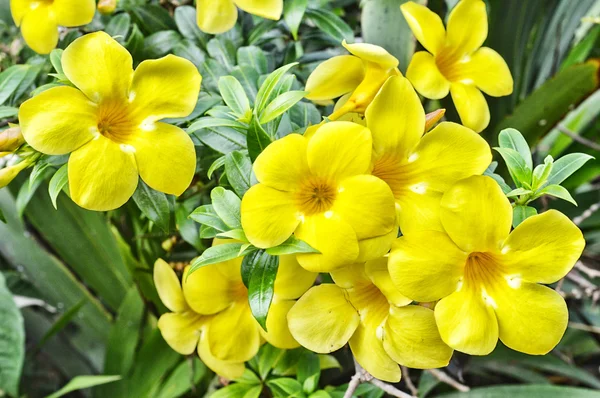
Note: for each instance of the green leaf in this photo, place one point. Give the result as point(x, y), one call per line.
point(216, 165)
point(580, 52)
point(269, 85)
point(216, 254)
point(566, 166)
point(383, 24)
point(239, 170)
point(268, 356)
point(558, 192)
point(541, 172)
point(61, 323)
point(521, 213)
point(189, 50)
point(281, 104)
point(83, 382)
point(8, 112)
point(236, 234)
point(285, 388)
point(135, 42)
point(160, 43)
point(185, 19)
point(261, 284)
point(236, 390)
point(293, 11)
point(206, 215)
point(152, 18)
point(185, 376)
point(59, 180)
point(211, 71)
point(525, 391)
point(208, 122)
point(2, 218)
point(222, 139)
point(187, 227)
point(10, 79)
point(27, 191)
point(292, 245)
point(517, 166)
point(227, 205)
point(56, 59)
point(223, 51)
point(234, 95)
point(248, 77)
point(518, 191)
point(12, 341)
point(327, 361)
point(117, 27)
point(309, 371)
point(513, 139)
point(257, 139)
point(153, 205)
point(254, 57)
point(331, 24)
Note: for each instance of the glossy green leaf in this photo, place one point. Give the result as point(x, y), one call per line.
point(239, 170)
point(154, 205)
point(331, 24)
point(185, 19)
point(517, 166)
point(160, 43)
point(227, 205)
point(222, 139)
point(61, 322)
point(58, 182)
point(10, 79)
point(223, 51)
point(257, 139)
point(541, 172)
point(309, 371)
point(206, 215)
point(511, 138)
point(12, 341)
point(152, 18)
point(281, 104)
point(286, 387)
point(269, 85)
point(292, 245)
point(521, 213)
point(234, 96)
point(183, 379)
point(558, 192)
point(564, 167)
point(118, 27)
point(293, 11)
point(261, 285)
point(254, 57)
point(83, 382)
point(216, 254)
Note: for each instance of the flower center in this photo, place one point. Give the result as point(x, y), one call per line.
point(397, 174)
point(316, 196)
point(116, 121)
point(483, 271)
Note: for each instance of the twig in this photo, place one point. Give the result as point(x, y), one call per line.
point(577, 137)
point(408, 381)
point(587, 214)
point(586, 328)
point(590, 289)
point(445, 378)
point(362, 376)
point(592, 273)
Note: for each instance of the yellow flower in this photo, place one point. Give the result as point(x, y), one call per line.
point(357, 77)
point(218, 16)
point(486, 277)
point(110, 122)
point(320, 189)
point(107, 7)
point(185, 330)
point(11, 139)
point(455, 62)
point(365, 309)
point(419, 168)
point(39, 19)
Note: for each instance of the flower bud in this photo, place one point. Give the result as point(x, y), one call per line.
point(107, 7)
point(8, 174)
point(432, 118)
point(11, 139)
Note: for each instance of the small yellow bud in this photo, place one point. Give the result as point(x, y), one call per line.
point(8, 174)
point(107, 7)
point(432, 118)
point(11, 139)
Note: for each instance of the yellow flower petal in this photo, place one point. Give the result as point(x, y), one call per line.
point(471, 106)
point(367, 204)
point(543, 248)
point(467, 26)
point(323, 320)
point(333, 237)
point(425, 75)
point(292, 280)
point(165, 156)
point(426, 265)
point(165, 88)
point(426, 25)
point(269, 216)
point(278, 333)
point(181, 331)
point(99, 66)
point(476, 214)
point(335, 77)
point(40, 29)
point(102, 175)
point(466, 322)
point(373, 248)
point(283, 165)
point(229, 370)
point(18, 9)
point(215, 16)
point(168, 287)
point(368, 350)
point(532, 318)
point(270, 9)
point(372, 53)
point(378, 272)
point(58, 121)
point(339, 150)
point(233, 334)
point(412, 339)
point(396, 119)
point(418, 209)
point(208, 290)
point(488, 70)
point(72, 13)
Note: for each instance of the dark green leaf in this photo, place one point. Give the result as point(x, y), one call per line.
point(269, 85)
point(234, 95)
point(189, 50)
point(566, 166)
point(526, 391)
point(216, 254)
point(292, 245)
point(152, 18)
point(135, 42)
point(211, 72)
point(227, 205)
point(293, 11)
point(12, 341)
point(61, 323)
point(185, 18)
point(331, 24)
point(235, 390)
point(153, 205)
point(160, 43)
point(309, 371)
point(261, 285)
point(83, 382)
point(183, 378)
point(239, 170)
point(223, 51)
point(285, 388)
point(10, 79)
point(118, 27)
point(268, 356)
point(217, 164)
point(254, 57)
point(257, 139)
point(521, 213)
point(222, 139)
point(248, 77)
point(59, 180)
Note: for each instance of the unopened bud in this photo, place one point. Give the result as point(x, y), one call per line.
point(432, 118)
point(11, 139)
point(8, 174)
point(107, 7)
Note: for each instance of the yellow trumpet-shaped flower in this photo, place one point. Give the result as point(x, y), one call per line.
point(320, 189)
point(357, 77)
point(419, 168)
point(488, 278)
point(110, 122)
point(218, 16)
point(365, 309)
point(39, 19)
point(455, 62)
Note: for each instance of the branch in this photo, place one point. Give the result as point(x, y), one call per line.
point(445, 378)
point(408, 381)
point(577, 137)
point(592, 273)
point(587, 214)
point(362, 376)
